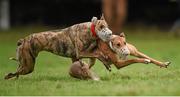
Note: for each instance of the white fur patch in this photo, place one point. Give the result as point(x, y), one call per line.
point(167, 63)
point(147, 61)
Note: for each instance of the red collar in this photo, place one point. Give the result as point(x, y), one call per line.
point(92, 28)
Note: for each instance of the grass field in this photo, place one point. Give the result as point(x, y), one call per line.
point(51, 77)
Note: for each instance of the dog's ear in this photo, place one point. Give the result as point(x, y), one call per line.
point(102, 17)
point(94, 20)
point(122, 34)
point(112, 37)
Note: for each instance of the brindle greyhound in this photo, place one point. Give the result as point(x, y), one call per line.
point(68, 42)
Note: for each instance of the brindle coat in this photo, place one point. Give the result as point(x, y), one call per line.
point(68, 42)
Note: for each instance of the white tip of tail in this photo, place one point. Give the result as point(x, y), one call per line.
point(12, 58)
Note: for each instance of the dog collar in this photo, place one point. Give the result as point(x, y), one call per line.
point(92, 29)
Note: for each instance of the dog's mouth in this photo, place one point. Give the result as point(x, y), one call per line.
point(123, 53)
point(108, 36)
point(123, 57)
point(105, 34)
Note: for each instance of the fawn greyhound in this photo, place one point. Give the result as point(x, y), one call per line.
point(116, 50)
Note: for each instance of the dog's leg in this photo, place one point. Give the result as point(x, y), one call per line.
point(22, 70)
point(158, 63)
point(26, 61)
point(93, 56)
point(76, 49)
point(135, 52)
point(91, 62)
point(105, 59)
point(74, 60)
point(123, 63)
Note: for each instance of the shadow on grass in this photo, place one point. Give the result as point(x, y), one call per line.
point(115, 76)
point(39, 78)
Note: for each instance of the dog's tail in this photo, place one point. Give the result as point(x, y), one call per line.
point(20, 42)
point(12, 58)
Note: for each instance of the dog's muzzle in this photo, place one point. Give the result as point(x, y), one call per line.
point(124, 52)
point(105, 34)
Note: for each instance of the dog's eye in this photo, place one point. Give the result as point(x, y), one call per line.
point(124, 43)
point(118, 44)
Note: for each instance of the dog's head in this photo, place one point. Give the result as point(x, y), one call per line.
point(101, 28)
point(118, 45)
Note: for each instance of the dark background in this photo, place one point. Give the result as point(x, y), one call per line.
point(68, 12)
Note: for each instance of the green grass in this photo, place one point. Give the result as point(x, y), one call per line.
point(51, 77)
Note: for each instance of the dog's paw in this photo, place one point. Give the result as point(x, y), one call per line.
point(94, 76)
point(10, 75)
point(147, 61)
point(166, 64)
point(96, 79)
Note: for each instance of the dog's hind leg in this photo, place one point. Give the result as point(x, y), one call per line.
point(74, 59)
point(26, 59)
point(135, 52)
point(23, 69)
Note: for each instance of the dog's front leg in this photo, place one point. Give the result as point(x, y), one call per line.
point(91, 62)
point(135, 52)
point(123, 63)
point(96, 54)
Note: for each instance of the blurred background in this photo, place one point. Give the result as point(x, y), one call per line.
point(55, 13)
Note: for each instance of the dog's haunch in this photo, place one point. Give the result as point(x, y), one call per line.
point(81, 70)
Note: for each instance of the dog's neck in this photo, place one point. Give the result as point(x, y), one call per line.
point(91, 29)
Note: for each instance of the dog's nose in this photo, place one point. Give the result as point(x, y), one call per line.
point(126, 54)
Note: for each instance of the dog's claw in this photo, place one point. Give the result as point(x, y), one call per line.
point(166, 64)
